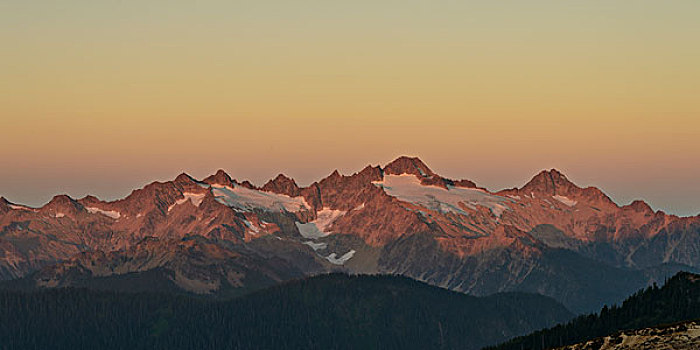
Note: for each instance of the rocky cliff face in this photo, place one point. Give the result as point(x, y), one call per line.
point(402, 218)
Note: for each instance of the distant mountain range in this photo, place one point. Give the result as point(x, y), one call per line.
point(222, 237)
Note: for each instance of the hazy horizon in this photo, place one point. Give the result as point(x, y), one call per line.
point(104, 192)
point(104, 97)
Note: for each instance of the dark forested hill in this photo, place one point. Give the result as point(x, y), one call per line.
point(325, 312)
point(677, 300)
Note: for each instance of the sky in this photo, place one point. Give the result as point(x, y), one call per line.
point(102, 97)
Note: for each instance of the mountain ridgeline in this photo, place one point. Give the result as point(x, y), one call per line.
point(221, 237)
point(677, 300)
point(334, 311)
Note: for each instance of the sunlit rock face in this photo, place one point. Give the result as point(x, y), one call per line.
point(220, 234)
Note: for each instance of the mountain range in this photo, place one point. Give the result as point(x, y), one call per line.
point(219, 236)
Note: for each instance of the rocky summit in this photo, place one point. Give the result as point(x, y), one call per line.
point(220, 236)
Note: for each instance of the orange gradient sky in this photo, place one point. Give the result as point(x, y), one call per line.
point(103, 97)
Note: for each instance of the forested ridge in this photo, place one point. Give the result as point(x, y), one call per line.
point(678, 300)
point(333, 311)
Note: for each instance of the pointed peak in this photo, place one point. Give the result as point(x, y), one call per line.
point(408, 165)
point(64, 203)
point(282, 177)
point(62, 198)
point(640, 206)
point(184, 177)
point(550, 182)
point(371, 167)
point(89, 200)
point(370, 173)
point(553, 173)
point(220, 177)
point(283, 185)
point(3, 200)
point(333, 178)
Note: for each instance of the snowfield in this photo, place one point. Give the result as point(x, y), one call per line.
point(408, 188)
point(315, 245)
point(195, 198)
point(319, 227)
point(21, 207)
point(111, 213)
point(245, 199)
point(340, 261)
point(565, 200)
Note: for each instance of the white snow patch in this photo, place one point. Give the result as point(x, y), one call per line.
point(21, 207)
point(251, 227)
point(517, 198)
point(245, 199)
point(316, 246)
point(111, 213)
point(310, 230)
point(59, 215)
point(566, 200)
point(497, 209)
point(195, 198)
point(409, 189)
point(319, 227)
point(340, 261)
point(359, 207)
